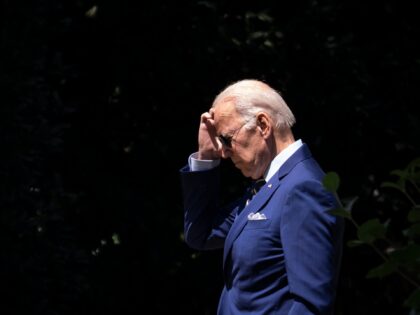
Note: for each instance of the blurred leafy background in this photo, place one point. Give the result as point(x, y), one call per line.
point(100, 104)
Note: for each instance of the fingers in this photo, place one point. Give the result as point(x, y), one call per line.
point(207, 118)
point(206, 115)
point(209, 143)
point(218, 145)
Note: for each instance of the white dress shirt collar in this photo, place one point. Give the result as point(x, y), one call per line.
point(281, 158)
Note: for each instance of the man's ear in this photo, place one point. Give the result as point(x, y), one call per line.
point(264, 124)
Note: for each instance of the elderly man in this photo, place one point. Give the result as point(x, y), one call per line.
point(282, 248)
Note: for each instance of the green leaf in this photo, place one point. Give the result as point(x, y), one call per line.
point(392, 185)
point(414, 214)
point(383, 270)
point(413, 231)
point(350, 203)
point(257, 35)
point(415, 177)
point(401, 183)
point(413, 300)
point(207, 4)
point(406, 255)
point(414, 164)
point(331, 181)
point(400, 173)
point(370, 231)
point(92, 12)
point(264, 17)
point(116, 239)
point(354, 243)
point(340, 212)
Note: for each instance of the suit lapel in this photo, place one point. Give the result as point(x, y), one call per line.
point(262, 197)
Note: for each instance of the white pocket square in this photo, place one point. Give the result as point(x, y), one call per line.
point(256, 216)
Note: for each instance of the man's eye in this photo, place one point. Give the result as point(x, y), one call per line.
point(226, 140)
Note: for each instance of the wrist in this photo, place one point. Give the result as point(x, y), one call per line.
point(202, 155)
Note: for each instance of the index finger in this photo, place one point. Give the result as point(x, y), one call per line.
point(207, 119)
point(211, 111)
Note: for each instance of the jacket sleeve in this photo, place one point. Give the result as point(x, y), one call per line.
point(206, 224)
point(312, 245)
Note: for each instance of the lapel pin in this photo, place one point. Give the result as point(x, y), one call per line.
point(269, 185)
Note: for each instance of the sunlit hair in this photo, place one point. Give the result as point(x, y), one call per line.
point(253, 96)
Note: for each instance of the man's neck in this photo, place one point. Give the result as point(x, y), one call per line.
point(283, 139)
point(283, 154)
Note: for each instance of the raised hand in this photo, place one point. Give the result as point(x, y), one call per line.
point(209, 145)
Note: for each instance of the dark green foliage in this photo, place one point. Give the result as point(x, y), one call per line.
point(100, 103)
point(400, 253)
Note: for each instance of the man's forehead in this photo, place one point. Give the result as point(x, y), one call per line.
point(225, 113)
point(224, 109)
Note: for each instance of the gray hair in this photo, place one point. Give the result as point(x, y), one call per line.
point(253, 96)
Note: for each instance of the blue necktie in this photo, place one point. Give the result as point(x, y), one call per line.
point(255, 188)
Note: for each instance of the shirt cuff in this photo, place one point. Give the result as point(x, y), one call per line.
point(201, 165)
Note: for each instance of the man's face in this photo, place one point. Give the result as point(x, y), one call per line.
point(246, 148)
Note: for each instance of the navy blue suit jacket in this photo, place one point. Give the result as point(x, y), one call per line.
point(287, 263)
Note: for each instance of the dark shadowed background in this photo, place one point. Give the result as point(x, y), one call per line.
point(99, 109)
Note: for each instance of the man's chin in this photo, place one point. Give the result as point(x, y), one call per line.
point(248, 174)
